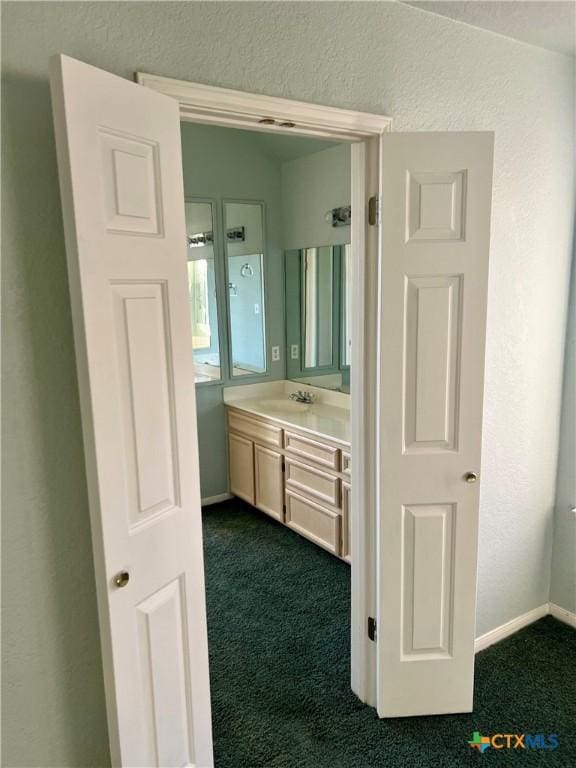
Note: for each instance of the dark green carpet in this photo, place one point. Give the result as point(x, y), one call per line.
point(278, 624)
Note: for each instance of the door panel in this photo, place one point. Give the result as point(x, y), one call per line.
point(427, 596)
point(436, 195)
point(433, 332)
point(147, 389)
point(164, 648)
point(122, 197)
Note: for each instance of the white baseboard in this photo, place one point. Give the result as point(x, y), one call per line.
point(563, 615)
point(505, 630)
point(215, 499)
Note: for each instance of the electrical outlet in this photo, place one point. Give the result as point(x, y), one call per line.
point(294, 352)
point(275, 354)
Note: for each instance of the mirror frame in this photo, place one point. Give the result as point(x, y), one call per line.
point(336, 306)
point(248, 377)
point(219, 279)
point(342, 352)
point(295, 369)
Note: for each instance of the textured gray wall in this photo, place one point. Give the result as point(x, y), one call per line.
point(563, 587)
point(429, 73)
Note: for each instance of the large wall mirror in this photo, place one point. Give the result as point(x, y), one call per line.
point(202, 291)
point(244, 243)
point(318, 316)
point(318, 303)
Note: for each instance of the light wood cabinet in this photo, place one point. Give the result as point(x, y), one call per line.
point(314, 521)
point(312, 450)
point(269, 482)
point(241, 461)
point(346, 523)
point(260, 431)
point(298, 479)
point(317, 483)
point(346, 465)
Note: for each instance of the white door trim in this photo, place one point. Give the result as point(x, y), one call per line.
point(224, 107)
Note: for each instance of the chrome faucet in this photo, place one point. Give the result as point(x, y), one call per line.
point(302, 397)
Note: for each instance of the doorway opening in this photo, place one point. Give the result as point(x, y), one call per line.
point(270, 285)
point(208, 106)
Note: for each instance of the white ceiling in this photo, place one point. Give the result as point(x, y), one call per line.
point(548, 24)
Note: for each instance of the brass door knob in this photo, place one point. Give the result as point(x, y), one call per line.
point(470, 477)
point(122, 578)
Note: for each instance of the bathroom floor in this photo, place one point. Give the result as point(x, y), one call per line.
point(279, 640)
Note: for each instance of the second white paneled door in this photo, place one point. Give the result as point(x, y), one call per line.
point(436, 198)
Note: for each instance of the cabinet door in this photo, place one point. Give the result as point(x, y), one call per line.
point(269, 483)
point(346, 522)
point(241, 467)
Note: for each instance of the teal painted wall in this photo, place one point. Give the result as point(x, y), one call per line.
point(246, 292)
point(247, 309)
point(227, 164)
point(426, 71)
point(312, 186)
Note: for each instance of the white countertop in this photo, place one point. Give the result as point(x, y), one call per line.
point(321, 418)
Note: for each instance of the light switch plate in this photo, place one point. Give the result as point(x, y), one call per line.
point(294, 351)
point(275, 354)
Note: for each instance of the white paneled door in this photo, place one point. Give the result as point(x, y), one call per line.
point(436, 199)
point(121, 182)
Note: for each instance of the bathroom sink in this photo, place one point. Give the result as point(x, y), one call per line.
point(284, 406)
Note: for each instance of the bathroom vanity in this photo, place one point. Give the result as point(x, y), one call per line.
point(291, 460)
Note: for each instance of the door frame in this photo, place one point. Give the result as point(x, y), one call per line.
point(237, 109)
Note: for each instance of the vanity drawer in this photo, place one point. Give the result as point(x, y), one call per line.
point(259, 431)
point(306, 448)
point(346, 463)
point(320, 525)
point(313, 482)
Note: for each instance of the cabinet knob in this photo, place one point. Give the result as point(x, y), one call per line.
point(122, 578)
point(470, 477)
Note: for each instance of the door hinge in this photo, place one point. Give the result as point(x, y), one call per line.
point(374, 210)
point(372, 628)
